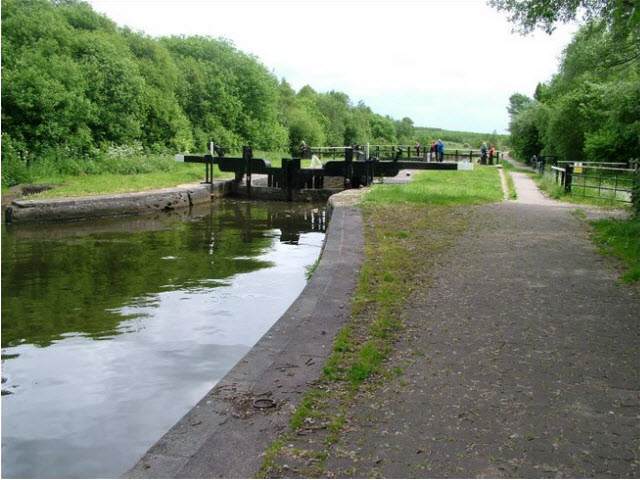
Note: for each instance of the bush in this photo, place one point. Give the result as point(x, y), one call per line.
point(15, 161)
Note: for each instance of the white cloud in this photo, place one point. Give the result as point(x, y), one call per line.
point(432, 60)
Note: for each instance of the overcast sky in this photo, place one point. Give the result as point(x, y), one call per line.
point(444, 63)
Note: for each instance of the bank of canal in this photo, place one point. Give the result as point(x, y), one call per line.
point(113, 329)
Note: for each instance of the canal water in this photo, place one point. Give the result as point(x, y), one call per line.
point(112, 330)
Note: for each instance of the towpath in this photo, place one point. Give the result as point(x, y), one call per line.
point(521, 360)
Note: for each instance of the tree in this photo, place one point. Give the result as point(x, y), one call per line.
point(526, 138)
point(517, 103)
point(589, 109)
point(530, 14)
point(335, 107)
point(382, 129)
point(405, 131)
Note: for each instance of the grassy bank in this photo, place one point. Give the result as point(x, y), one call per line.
point(403, 223)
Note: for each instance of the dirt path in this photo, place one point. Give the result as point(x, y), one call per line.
point(521, 360)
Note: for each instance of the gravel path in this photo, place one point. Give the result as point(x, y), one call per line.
point(521, 360)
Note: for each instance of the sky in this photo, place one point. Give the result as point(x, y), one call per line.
point(449, 64)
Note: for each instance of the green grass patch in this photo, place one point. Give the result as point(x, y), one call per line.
point(442, 187)
point(303, 412)
point(367, 362)
point(621, 239)
point(512, 194)
point(108, 183)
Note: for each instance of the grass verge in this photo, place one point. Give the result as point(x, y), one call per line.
point(442, 187)
point(508, 168)
point(621, 239)
point(402, 223)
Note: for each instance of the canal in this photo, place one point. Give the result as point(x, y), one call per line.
point(113, 329)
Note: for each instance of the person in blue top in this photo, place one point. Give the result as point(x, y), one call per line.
point(440, 149)
point(483, 153)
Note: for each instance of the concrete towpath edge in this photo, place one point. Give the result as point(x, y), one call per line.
point(227, 432)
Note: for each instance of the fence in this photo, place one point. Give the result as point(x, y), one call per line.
point(604, 180)
point(400, 152)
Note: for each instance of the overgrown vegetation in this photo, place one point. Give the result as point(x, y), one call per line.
point(82, 96)
point(411, 222)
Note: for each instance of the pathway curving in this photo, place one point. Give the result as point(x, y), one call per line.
point(521, 360)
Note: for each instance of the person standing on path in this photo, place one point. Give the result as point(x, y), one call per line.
point(483, 153)
point(440, 148)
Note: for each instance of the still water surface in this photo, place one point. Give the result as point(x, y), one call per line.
point(112, 330)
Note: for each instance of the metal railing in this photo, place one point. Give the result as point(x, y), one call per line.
point(596, 180)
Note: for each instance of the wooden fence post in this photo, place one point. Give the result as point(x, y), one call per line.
point(568, 173)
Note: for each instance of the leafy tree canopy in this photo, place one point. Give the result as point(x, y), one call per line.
point(527, 15)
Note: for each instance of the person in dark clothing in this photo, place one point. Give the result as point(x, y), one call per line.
point(483, 153)
point(304, 149)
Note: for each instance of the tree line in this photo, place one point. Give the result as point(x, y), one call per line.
point(590, 109)
point(75, 86)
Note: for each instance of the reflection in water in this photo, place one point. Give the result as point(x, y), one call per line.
point(111, 330)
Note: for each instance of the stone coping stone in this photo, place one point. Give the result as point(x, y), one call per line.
point(98, 206)
point(226, 433)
